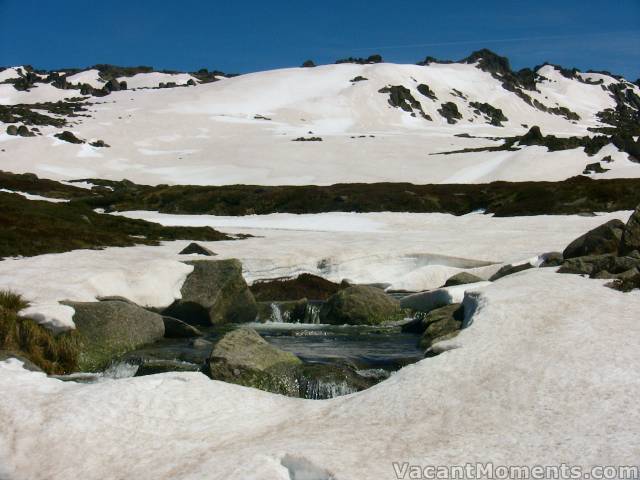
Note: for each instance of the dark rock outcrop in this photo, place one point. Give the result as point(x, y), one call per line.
point(594, 168)
point(401, 97)
point(426, 91)
point(196, 249)
point(23, 131)
point(69, 137)
point(603, 239)
point(305, 285)
point(601, 266)
point(214, 293)
point(450, 112)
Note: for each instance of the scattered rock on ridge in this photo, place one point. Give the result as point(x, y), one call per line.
point(69, 137)
point(594, 168)
point(449, 111)
point(401, 97)
point(23, 131)
point(307, 139)
point(197, 249)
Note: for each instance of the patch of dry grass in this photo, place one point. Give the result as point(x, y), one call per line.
point(54, 354)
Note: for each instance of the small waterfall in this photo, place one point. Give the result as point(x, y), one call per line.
point(321, 390)
point(277, 316)
point(312, 314)
point(114, 371)
point(120, 370)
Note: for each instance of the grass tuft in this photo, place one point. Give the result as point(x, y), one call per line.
point(54, 354)
point(12, 301)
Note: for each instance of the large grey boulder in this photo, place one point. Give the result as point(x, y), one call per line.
point(109, 329)
point(601, 240)
point(214, 293)
point(243, 357)
point(631, 235)
point(244, 348)
point(360, 305)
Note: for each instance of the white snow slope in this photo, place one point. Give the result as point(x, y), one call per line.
point(240, 129)
point(544, 375)
point(410, 251)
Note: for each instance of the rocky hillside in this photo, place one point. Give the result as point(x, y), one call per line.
point(359, 120)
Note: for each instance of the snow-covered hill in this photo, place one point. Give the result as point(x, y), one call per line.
point(377, 122)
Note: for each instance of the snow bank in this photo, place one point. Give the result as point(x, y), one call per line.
point(154, 79)
point(91, 77)
point(240, 130)
point(410, 251)
point(146, 276)
point(11, 73)
point(533, 382)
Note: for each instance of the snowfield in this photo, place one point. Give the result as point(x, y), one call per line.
point(408, 250)
point(538, 378)
point(240, 129)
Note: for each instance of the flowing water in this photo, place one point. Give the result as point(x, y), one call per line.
point(372, 352)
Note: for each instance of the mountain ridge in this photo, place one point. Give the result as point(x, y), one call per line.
point(377, 121)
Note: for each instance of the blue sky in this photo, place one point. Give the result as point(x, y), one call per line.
point(243, 36)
